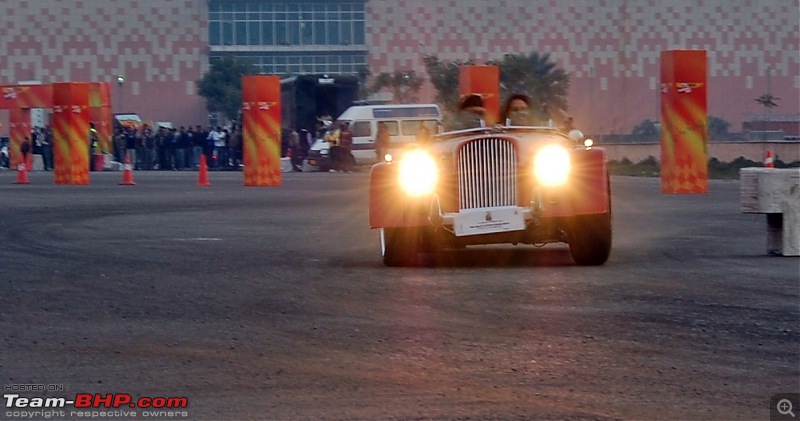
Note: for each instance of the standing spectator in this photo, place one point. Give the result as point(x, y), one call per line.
point(306, 140)
point(162, 141)
point(346, 144)
point(333, 139)
point(139, 161)
point(37, 145)
point(211, 142)
point(47, 148)
point(235, 146)
point(94, 146)
point(130, 144)
point(219, 145)
point(178, 139)
point(119, 144)
point(185, 142)
point(25, 150)
point(295, 150)
point(149, 148)
point(224, 154)
point(172, 141)
point(198, 141)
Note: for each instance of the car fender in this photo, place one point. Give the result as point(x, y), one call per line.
point(389, 206)
point(590, 190)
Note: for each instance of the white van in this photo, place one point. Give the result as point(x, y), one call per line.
point(402, 120)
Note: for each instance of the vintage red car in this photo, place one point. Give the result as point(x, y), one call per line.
point(493, 185)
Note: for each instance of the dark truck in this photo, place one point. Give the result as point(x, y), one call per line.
point(304, 98)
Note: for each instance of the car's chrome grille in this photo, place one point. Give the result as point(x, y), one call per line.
point(487, 174)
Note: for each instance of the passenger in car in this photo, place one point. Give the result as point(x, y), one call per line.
point(519, 111)
point(471, 113)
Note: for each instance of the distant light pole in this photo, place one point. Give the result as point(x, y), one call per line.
point(120, 82)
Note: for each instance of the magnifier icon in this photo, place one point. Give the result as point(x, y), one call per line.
point(785, 407)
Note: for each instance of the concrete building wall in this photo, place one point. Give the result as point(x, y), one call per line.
point(610, 48)
point(160, 46)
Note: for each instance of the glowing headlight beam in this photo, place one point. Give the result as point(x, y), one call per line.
point(552, 165)
point(418, 173)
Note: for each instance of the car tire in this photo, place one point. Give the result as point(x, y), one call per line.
point(400, 247)
point(590, 239)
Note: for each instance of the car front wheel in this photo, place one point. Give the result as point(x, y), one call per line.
point(590, 239)
point(400, 246)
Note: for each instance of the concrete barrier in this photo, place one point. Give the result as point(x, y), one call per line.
point(286, 164)
point(776, 193)
point(37, 164)
point(723, 151)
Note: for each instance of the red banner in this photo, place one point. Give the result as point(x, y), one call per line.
point(485, 81)
point(261, 129)
point(684, 138)
point(71, 132)
point(26, 96)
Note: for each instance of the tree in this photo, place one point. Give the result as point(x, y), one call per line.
point(444, 78)
point(363, 74)
point(718, 128)
point(221, 85)
point(536, 76)
point(646, 130)
point(405, 85)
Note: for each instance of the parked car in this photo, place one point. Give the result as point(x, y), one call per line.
point(492, 185)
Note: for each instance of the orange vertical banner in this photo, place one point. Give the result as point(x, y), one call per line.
point(485, 81)
point(71, 132)
point(19, 127)
point(100, 113)
point(684, 121)
point(261, 130)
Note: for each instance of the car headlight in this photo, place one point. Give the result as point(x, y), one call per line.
point(418, 173)
point(551, 165)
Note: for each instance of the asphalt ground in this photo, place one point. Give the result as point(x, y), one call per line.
point(272, 303)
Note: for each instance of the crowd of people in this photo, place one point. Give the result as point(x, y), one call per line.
point(147, 149)
point(178, 148)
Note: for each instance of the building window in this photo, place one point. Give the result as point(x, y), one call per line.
point(300, 63)
point(314, 23)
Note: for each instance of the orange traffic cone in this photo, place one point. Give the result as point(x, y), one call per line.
point(202, 172)
point(769, 162)
point(22, 174)
point(127, 173)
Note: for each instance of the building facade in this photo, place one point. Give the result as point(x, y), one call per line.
point(610, 48)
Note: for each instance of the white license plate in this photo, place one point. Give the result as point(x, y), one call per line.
point(487, 221)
